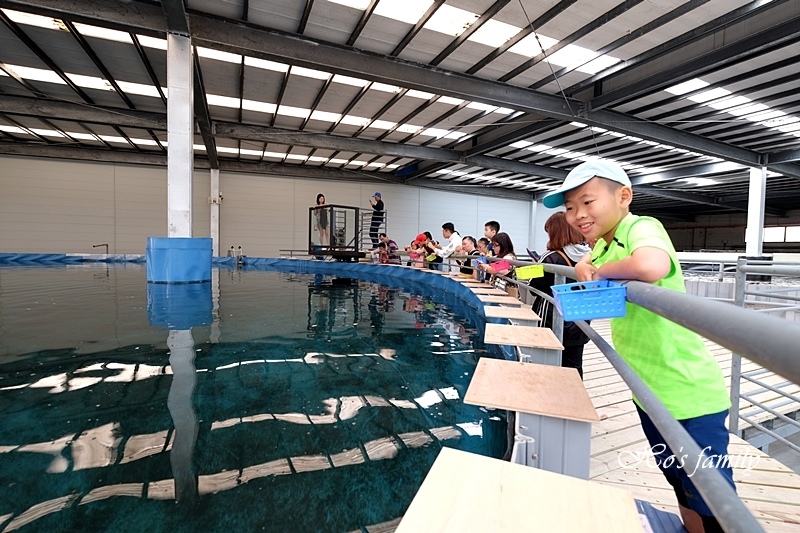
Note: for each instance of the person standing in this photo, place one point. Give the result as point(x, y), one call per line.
point(453, 241)
point(565, 247)
point(468, 248)
point(672, 360)
point(377, 218)
point(321, 221)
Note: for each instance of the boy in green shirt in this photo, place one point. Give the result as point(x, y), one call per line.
point(670, 359)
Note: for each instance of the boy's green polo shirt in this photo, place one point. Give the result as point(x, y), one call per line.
point(672, 360)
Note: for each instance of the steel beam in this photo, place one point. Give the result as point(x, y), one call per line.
point(241, 38)
point(694, 198)
point(62, 110)
point(777, 36)
point(786, 156)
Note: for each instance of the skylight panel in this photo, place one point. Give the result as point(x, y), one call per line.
point(357, 163)
point(218, 55)
point(14, 129)
point(597, 64)
point(376, 165)
point(385, 88)
point(686, 87)
point(540, 148)
point(712, 94)
point(747, 109)
point(351, 120)
point(408, 11)
point(699, 182)
point(529, 46)
point(450, 20)
point(296, 157)
point(571, 56)
point(324, 116)
point(289, 111)
point(355, 4)
point(90, 82)
point(503, 110)
point(310, 73)
point(103, 33)
point(317, 159)
point(729, 102)
point(114, 139)
point(347, 80)
point(220, 149)
point(577, 124)
point(46, 133)
point(246, 151)
point(449, 100)
point(152, 42)
point(140, 89)
point(33, 20)
point(337, 161)
point(273, 155)
point(434, 132)
point(222, 101)
point(520, 144)
point(455, 135)
point(420, 94)
point(36, 74)
point(765, 115)
point(261, 107)
point(409, 128)
point(265, 64)
point(782, 121)
point(382, 124)
point(493, 33)
point(481, 107)
point(90, 137)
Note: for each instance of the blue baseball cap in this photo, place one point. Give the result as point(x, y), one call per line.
point(378, 194)
point(599, 168)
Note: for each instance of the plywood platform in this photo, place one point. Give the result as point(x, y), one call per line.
point(530, 388)
point(511, 313)
point(523, 336)
point(504, 300)
point(469, 492)
point(488, 290)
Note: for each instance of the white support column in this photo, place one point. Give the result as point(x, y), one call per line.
point(216, 200)
point(180, 135)
point(754, 234)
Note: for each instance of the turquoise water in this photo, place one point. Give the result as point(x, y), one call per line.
point(278, 402)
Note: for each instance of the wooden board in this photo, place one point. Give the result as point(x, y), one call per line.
point(505, 300)
point(469, 492)
point(488, 290)
point(523, 336)
point(513, 313)
point(530, 388)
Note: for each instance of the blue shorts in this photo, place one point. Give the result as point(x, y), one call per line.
point(711, 435)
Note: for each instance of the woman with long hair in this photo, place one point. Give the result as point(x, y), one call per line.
point(564, 247)
point(503, 249)
point(321, 221)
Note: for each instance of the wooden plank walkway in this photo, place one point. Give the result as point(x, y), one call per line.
point(768, 488)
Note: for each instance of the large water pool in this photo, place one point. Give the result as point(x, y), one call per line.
point(267, 401)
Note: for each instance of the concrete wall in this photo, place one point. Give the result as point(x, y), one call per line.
point(50, 206)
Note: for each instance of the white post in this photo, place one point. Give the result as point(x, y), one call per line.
point(754, 234)
point(214, 208)
point(180, 135)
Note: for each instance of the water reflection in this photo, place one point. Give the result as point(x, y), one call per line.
point(335, 411)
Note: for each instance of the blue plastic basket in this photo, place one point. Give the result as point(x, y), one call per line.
point(590, 299)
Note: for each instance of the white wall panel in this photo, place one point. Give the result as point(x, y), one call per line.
point(66, 206)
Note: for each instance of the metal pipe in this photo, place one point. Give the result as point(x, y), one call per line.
point(726, 506)
point(766, 409)
point(99, 245)
point(772, 434)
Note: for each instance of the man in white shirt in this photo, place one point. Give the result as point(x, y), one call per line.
point(453, 241)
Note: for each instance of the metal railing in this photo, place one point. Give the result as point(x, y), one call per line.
point(769, 341)
point(764, 418)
